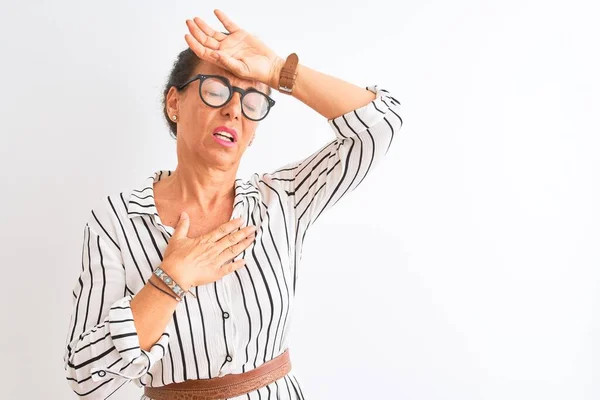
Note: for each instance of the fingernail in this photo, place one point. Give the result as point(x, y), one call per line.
point(184, 215)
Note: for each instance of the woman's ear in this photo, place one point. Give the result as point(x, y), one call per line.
point(172, 102)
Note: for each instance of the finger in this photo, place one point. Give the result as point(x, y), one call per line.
point(200, 36)
point(232, 240)
point(208, 31)
point(230, 267)
point(233, 250)
point(226, 21)
point(183, 225)
point(203, 52)
point(236, 237)
point(222, 231)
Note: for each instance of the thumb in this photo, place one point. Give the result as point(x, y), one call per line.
point(183, 226)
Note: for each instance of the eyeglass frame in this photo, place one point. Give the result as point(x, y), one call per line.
point(232, 90)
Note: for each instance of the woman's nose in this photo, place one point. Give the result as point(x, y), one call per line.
point(233, 108)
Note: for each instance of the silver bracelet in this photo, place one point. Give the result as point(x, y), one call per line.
point(179, 292)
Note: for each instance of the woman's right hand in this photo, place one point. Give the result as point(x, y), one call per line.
point(205, 259)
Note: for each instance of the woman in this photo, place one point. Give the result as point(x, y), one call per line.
point(188, 280)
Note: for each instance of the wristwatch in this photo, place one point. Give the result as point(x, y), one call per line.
point(288, 74)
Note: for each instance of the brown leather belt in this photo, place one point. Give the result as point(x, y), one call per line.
point(224, 387)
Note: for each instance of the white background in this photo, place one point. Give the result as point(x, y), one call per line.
point(465, 267)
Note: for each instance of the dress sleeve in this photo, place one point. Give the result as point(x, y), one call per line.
point(363, 137)
point(102, 347)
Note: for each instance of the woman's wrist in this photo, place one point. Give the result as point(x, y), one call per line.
point(276, 68)
point(158, 284)
point(172, 272)
point(176, 285)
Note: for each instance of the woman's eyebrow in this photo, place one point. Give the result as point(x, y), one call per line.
point(250, 86)
point(253, 85)
point(257, 88)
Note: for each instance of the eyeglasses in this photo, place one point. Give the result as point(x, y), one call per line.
point(216, 91)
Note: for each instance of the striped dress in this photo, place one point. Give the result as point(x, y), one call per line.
point(238, 322)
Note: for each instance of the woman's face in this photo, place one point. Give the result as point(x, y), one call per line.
point(197, 122)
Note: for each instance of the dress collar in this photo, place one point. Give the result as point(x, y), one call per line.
point(141, 201)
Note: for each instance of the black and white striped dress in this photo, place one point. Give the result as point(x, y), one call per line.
point(239, 322)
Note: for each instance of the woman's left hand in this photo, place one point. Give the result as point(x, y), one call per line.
point(240, 53)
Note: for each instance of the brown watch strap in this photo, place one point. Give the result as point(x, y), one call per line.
point(287, 76)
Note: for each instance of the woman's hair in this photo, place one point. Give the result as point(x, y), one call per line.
point(183, 67)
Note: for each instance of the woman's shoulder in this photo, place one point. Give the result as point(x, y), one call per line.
point(111, 211)
point(267, 184)
point(107, 214)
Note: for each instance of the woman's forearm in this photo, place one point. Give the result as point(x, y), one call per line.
point(327, 95)
point(152, 310)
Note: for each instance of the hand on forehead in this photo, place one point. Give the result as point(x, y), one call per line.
point(212, 69)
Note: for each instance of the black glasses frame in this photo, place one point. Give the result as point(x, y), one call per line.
point(232, 90)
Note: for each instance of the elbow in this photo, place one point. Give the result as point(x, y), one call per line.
point(77, 379)
point(84, 382)
point(78, 386)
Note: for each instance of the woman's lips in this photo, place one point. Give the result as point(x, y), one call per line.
point(231, 131)
point(224, 142)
